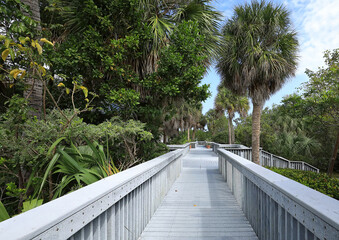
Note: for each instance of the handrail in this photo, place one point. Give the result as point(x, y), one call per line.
point(118, 206)
point(278, 207)
point(266, 158)
point(181, 146)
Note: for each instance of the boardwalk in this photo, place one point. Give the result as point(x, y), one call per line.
point(199, 205)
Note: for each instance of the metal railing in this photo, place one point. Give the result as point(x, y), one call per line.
point(278, 207)
point(116, 207)
point(173, 147)
point(266, 159)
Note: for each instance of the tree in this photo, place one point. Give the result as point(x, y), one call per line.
point(226, 100)
point(258, 54)
point(321, 98)
point(216, 123)
point(34, 89)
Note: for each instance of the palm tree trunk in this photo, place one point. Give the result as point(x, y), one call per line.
point(257, 107)
point(34, 86)
point(334, 156)
point(229, 130)
point(233, 134)
point(188, 134)
point(193, 135)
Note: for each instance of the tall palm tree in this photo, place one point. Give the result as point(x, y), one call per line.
point(227, 101)
point(34, 86)
point(258, 55)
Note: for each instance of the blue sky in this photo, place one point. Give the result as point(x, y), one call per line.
point(317, 24)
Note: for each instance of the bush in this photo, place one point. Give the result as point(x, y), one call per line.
point(180, 139)
point(220, 137)
point(201, 135)
point(318, 181)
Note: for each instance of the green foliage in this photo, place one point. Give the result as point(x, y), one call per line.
point(216, 123)
point(30, 204)
point(220, 137)
point(79, 166)
point(318, 181)
point(202, 135)
point(3, 213)
point(180, 139)
point(126, 62)
point(152, 149)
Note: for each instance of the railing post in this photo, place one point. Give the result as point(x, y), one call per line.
point(271, 160)
point(302, 166)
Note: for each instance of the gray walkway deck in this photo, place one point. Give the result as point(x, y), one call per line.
point(199, 205)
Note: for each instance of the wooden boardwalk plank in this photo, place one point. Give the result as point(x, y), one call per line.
point(199, 205)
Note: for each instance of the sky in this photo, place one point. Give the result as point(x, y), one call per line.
point(317, 25)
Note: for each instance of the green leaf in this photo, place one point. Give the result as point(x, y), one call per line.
point(85, 90)
point(15, 72)
point(3, 213)
point(48, 170)
point(7, 42)
point(4, 54)
point(11, 52)
point(28, 205)
point(38, 46)
point(46, 41)
point(54, 145)
point(22, 40)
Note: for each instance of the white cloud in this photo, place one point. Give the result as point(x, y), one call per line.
point(317, 22)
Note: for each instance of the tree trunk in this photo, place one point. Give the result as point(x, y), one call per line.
point(188, 134)
point(233, 134)
point(34, 86)
point(164, 141)
point(229, 120)
point(333, 158)
point(256, 131)
point(230, 113)
point(193, 135)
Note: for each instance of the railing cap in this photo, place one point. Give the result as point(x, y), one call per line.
point(42, 218)
point(320, 204)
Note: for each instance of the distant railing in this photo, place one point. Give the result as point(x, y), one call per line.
point(173, 147)
point(117, 207)
point(278, 207)
point(266, 159)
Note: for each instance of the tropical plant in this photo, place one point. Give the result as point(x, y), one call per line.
point(227, 101)
point(78, 166)
point(258, 54)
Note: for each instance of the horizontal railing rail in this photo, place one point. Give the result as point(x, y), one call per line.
point(116, 207)
point(173, 147)
point(266, 159)
point(278, 207)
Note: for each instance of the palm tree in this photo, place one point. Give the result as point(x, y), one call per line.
point(258, 55)
point(34, 86)
point(226, 100)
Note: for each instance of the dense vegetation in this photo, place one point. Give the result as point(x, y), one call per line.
point(320, 182)
point(88, 88)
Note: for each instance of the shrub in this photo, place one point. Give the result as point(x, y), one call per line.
point(318, 181)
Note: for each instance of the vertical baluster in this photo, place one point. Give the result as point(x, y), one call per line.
point(103, 225)
point(89, 231)
point(111, 223)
